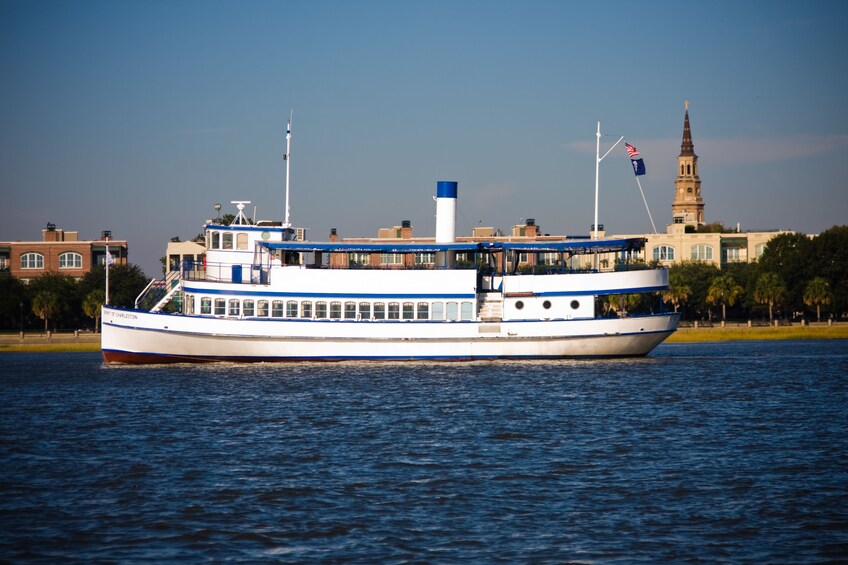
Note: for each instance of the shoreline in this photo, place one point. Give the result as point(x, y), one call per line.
point(87, 342)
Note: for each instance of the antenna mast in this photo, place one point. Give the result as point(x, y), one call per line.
point(287, 157)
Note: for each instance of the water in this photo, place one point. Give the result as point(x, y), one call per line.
point(701, 453)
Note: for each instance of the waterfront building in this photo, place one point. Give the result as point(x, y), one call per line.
point(59, 251)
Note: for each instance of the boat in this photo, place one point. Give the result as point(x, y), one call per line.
point(263, 294)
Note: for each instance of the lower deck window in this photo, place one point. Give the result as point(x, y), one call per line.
point(379, 310)
point(452, 311)
point(365, 310)
point(291, 309)
point(205, 305)
point(306, 309)
point(262, 308)
point(277, 309)
point(235, 307)
point(438, 311)
point(247, 308)
point(350, 310)
point(335, 310)
point(394, 310)
point(220, 307)
point(423, 311)
point(320, 309)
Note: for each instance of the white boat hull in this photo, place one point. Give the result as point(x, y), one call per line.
point(131, 336)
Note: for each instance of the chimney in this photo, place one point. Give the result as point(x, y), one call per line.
point(334, 236)
point(406, 229)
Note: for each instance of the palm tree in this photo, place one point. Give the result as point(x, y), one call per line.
point(45, 305)
point(92, 304)
point(769, 290)
point(678, 291)
point(818, 293)
point(724, 291)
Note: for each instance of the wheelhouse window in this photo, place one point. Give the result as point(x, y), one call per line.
point(277, 309)
point(241, 241)
point(664, 253)
point(702, 253)
point(228, 241)
point(215, 240)
point(32, 261)
point(70, 260)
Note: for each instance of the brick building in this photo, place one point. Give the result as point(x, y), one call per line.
point(59, 251)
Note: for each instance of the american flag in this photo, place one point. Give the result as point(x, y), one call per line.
point(631, 151)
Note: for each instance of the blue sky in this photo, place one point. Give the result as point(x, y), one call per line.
point(139, 116)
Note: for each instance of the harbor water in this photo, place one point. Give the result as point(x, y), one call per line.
point(723, 452)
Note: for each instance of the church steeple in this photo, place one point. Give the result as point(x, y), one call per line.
point(688, 206)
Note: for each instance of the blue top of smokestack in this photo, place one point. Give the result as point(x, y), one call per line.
point(446, 189)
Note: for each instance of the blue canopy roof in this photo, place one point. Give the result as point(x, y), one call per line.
point(573, 246)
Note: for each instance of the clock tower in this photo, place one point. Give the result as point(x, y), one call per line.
point(688, 206)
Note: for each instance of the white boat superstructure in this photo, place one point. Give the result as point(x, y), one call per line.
point(261, 296)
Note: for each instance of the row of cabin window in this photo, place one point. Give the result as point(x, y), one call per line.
point(225, 240)
point(336, 310)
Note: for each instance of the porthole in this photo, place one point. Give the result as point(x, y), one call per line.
point(546, 304)
point(519, 305)
point(266, 236)
point(575, 305)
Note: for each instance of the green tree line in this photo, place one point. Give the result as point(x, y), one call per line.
point(58, 302)
point(797, 276)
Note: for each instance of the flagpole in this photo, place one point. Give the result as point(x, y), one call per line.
point(107, 270)
point(646, 204)
point(286, 224)
point(597, 172)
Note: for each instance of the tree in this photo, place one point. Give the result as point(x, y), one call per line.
point(125, 283)
point(67, 311)
point(46, 306)
point(14, 302)
point(769, 290)
point(818, 293)
point(678, 292)
point(724, 291)
point(696, 275)
point(789, 256)
point(91, 305)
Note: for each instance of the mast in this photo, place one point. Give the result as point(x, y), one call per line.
point(287, 157)
point(598, 160)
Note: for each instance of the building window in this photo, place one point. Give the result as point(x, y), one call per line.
point(205, 305)
point(247, 308)
point(664, 253)
point(359, 259)
point(731, 254)
point(425, 258)
point(4, 263)
point(70, 260)
point(548, 258)
point(391, 259)
point(32, 261)
point(702, 253)
point(759, 250)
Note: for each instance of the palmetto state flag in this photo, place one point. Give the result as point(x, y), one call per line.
point(638, 166)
